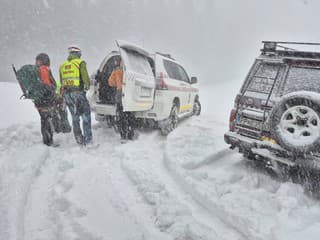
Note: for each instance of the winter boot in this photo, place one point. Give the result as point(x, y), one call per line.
point(79, 139)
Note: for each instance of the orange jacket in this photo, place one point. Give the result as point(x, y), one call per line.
point(45, 76)
point(116, 79)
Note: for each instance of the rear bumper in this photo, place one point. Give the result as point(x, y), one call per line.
point(246, 143)
point(270, 152)
point(103, 109)
point(260, 150)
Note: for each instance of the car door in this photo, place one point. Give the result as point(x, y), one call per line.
point(187, 89)
point(139, 80)
point(176, 82)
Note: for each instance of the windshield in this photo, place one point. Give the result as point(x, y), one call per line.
point(302, 78)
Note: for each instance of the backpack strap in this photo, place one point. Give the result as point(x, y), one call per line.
point(52, 80)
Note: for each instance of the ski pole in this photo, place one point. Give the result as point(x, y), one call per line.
point(22, 88)
point(14, 70)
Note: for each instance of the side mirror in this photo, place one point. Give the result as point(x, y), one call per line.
point(194, 80)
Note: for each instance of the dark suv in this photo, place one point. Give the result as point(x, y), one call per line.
point(276, 115)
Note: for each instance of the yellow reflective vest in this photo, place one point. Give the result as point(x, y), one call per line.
point(70, 73)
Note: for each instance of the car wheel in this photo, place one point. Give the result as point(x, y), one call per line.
point(295, 125)
point(196, 108)
point(172, 122)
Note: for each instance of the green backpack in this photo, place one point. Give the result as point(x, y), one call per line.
point(31, 85)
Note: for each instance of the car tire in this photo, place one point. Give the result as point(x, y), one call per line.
point(171, 122)
point(295, 124)
point(196, 107)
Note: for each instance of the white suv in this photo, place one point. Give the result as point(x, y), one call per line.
point(156, 88)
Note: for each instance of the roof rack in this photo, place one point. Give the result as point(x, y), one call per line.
point(280, 49)
point(167, 55)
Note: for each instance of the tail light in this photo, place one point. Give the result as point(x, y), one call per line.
point(162, 84)
point(233, 115)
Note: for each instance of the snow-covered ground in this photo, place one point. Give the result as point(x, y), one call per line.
point(186, 186)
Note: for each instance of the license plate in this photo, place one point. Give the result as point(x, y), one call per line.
point(145, 92)
point(250, 122)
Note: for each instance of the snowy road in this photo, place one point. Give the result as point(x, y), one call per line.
point(75, 193)
point(186, 186)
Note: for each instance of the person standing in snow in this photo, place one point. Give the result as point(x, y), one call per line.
point(60, 115)
point(75, 82)
point(126, 119)
point(45, 104)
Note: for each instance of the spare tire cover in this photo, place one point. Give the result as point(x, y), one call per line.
point(295, 123)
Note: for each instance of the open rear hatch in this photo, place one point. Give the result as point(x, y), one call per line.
point(139, 80)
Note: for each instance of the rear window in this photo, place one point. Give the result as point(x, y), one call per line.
point(302, 78)
point(263, 78)
point(137, 62)
point(175, 71)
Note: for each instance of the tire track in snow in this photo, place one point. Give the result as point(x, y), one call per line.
point(251, 203)
point(201, 200)
point(63, 210)
point(128, 201)
point(209, 159)
point(193, 146)
point(18, 174)
point(45, 204)
point(61, 214)
point(82, 176)
point(172, 207)
point(11, 139)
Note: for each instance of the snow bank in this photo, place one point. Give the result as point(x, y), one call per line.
point(13, 110)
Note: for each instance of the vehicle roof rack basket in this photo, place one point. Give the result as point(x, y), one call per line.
point(282, 49)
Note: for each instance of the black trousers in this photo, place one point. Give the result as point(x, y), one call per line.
point(46, 129)
point(60, 118)
point(126, 123)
